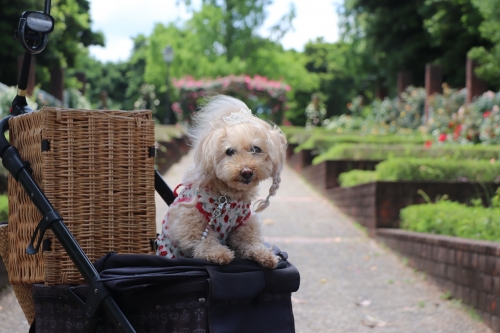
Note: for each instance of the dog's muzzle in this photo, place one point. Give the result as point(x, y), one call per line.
point(246, 175)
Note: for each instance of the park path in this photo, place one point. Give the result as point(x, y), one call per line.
point(349, 282)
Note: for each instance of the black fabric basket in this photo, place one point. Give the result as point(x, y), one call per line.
point(179, 295)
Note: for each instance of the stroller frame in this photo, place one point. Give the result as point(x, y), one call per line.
point(98, 296)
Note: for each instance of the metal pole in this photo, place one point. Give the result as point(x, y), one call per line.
point(168, 111)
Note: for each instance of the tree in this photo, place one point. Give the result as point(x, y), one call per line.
point(199, 52)
point(10, 48)
point(488, 57)
point(341, 67)
point(406, 35)
point(71, 35)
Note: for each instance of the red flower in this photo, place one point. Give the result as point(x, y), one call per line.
point(442, 137)
point(456, 132)
point(486, 114)
point(428, 144)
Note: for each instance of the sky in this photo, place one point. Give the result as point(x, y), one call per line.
point(120, 22)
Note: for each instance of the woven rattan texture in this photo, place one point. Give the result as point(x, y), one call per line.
point(99, 176)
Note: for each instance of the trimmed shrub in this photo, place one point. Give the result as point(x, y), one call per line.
point(426, 169)
point(4, 208)
point(441, 170)
point(453, 219)
point(165, 133)
point(322, 142)
point(356, 177)
point(384, 152)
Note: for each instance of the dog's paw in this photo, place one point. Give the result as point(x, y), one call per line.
point(221, 256)
point(265, 258)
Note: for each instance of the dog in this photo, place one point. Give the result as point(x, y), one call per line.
point(212, 217)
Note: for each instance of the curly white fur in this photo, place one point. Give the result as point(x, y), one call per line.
point(207, 130)
point(233, 152)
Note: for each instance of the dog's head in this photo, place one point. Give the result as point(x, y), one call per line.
point(233, 146)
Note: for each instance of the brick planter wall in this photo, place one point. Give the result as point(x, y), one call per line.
point(300, 160)
point(3, 183)
point(325, 175)
point(169, 153)
point(377, 204)
point(4, 279)
point(468, 269)
point(289, 149)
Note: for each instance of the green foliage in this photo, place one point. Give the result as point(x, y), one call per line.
point(440, 170)
point(488, 56)
point(344, 123)
point(340, 71)
point(369, 151)
point(356, 177)
point(406, 35)
point(7, 95)
point(4, 207)
point(398, 114)
point(297, 134)
point(203, 48)
point(322, 141)
point(165, 133)
point(453, 219)
point(397, 169)
point(72, 33)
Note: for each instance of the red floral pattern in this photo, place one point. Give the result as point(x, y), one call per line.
point(234, 216)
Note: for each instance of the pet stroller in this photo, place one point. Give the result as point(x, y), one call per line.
point(126, 292)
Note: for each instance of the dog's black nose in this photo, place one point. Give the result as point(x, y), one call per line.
point(246, 173)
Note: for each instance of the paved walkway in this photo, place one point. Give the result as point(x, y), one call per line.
point(349, 283)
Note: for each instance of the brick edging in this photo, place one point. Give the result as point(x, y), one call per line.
point(468, 269)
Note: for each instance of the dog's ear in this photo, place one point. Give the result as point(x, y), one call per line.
point(207, 151)
point(279, 144)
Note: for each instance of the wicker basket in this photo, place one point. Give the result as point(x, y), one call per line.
point(98, 173)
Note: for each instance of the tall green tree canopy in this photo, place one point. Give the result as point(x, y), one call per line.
point(72, 33)
point(489, 57)
point(406, 35)
point(202, 49)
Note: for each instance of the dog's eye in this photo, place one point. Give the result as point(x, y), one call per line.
point(230, 152)
point(256, 150)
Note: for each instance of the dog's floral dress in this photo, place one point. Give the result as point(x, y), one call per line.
point(233, 215)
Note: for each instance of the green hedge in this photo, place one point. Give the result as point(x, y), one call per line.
point(385, 151)
point(322, 142)
point(453, 219)
point(4, 208)
point(165, 133)
point(356, 177)
point(298, 134)
point(426, 169)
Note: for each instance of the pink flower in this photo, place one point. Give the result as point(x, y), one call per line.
point(428, 144)
point(486, 114)
point(442, 137)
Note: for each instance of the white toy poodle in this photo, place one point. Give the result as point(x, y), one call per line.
point(211, 217)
